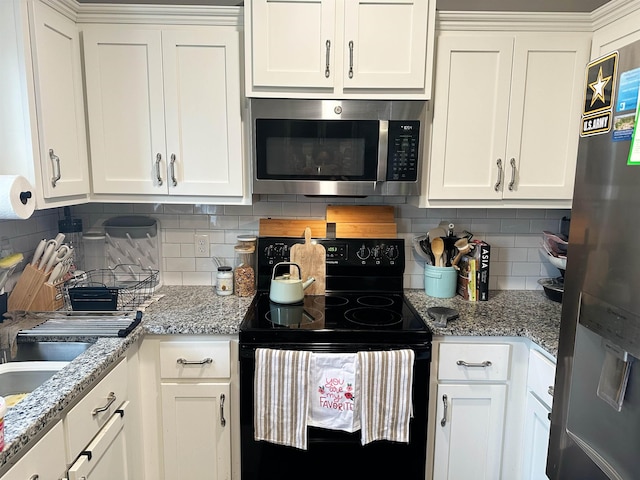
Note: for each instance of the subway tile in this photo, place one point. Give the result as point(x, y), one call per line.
point(187, 250)
point(206, 264)
point(530, 241)
point(500, 240)
point(223, 221)
point(515, 226)
point(512, 254)
point(483, 226)
point(208, 209)
point(238, 210)
point(171, 278)
point(179, 236)
point(552, 224)
point(530, 213)
point(181, 264)
point(193, 221)
point(178, 209)
point(511, 283)
point(474, 213)
point(501, 213)
point(197, 278)
point(521, 269)
point(171, 250)
point(266, 209)
point(290, 209)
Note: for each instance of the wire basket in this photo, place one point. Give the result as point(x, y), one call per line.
point(123, 287)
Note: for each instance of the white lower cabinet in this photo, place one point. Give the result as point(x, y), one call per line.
point(540, 383)
point(105, 457)
point(45, 461)
point(469, 431)
point(471, 410)
point(188, 387)
point(196, 434)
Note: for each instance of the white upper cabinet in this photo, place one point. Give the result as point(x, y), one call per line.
point(506, 118)
point(339, 48)
point(42, 119)
point(164, 112)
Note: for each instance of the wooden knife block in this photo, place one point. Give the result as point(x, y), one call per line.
point(32, 293)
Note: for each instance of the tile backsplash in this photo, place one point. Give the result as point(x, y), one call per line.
point(515, 235)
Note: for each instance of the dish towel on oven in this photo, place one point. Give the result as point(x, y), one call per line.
point(281, 400)
point(332, 391)
point(386, 381)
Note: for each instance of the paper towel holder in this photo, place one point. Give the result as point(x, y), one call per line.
point(25, 196)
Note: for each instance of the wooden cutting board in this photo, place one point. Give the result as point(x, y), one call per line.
point(286, 227)
point(360, 214)
point(312, 261)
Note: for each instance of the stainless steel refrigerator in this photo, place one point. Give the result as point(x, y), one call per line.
point(595, 421)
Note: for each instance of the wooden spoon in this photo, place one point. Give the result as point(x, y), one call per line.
point(437, 248)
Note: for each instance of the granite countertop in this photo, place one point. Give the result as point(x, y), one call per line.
point(197, 310)
point(508, 313)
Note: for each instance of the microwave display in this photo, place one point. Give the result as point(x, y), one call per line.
point(317, 149)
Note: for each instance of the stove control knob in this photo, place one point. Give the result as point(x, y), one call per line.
point(363, 252)
point(392, 252)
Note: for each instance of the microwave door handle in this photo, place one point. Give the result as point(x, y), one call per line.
point(383, 148)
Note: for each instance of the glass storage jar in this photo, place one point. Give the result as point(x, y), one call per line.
point(245, 261)
point(224, 280)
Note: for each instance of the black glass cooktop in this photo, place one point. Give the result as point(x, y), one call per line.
point(335, 317)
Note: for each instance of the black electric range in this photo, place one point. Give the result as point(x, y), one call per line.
point(364, 300)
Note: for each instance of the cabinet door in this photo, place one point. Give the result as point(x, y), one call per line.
point(536, 439)
point(469, 431)
point(59, 103)
point(472, 83)
point(385, 43)
point(125, 103)
point(202, 111)
point(196, 430)
point(45, 461)
point(293, 44)
point(546, 103)
point(105, 458)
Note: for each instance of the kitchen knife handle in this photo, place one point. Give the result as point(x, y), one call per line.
point(443, 422)
point(512, 162)
point(327, 72)
point(499, 181)
point(484, 364)
point(56, 164)
point(172, 164)
point(158, 176)
point(223, 422)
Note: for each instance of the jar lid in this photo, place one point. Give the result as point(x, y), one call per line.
point(246, 238)
point(224, 268)
point(244, 248)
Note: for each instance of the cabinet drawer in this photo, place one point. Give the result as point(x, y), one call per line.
point(94, 410)
point(474, 361)
point(541, 377)
point(195, 359)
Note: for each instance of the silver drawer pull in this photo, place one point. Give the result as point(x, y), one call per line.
point(34, 477)
point(443, 422)
point(183, 361)
point(56, 163)
point(110, 399)
point(550, 391)
point(223, 422)
point(484, 364)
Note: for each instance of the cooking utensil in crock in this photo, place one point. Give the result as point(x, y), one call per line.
point(287, 290)
point(419, 243)
point(437, 247)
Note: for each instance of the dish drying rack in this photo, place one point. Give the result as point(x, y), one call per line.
point(123, 287)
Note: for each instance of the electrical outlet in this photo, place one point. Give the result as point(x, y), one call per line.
point(202, 245)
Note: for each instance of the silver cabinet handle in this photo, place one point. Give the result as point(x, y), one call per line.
point(223, 422)
point(110, 399)
point(182, 361)
point(484, 364)
point(551, 390)
point(327, 72)
point(499, 181)
point(443, 422)
point(34, 477)
point(158, 176)
point(173, 170)
point(513, 173)
point(56, 165)
point(351, 59)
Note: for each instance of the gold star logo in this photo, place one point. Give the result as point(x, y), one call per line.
point(598, 87)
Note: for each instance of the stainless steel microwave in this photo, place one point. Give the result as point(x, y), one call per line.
point(337, 147)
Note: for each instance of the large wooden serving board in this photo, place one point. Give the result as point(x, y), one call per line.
point(312, 261)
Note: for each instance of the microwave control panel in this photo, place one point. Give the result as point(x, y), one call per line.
point(402, 155)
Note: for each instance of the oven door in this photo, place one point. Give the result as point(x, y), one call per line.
point(333, 453)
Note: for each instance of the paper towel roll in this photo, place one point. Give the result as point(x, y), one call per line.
point(17, 199)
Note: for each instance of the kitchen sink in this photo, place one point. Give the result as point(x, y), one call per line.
point(49, 351)
point(24, 377)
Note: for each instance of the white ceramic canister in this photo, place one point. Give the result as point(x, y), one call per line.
point(224, 280)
